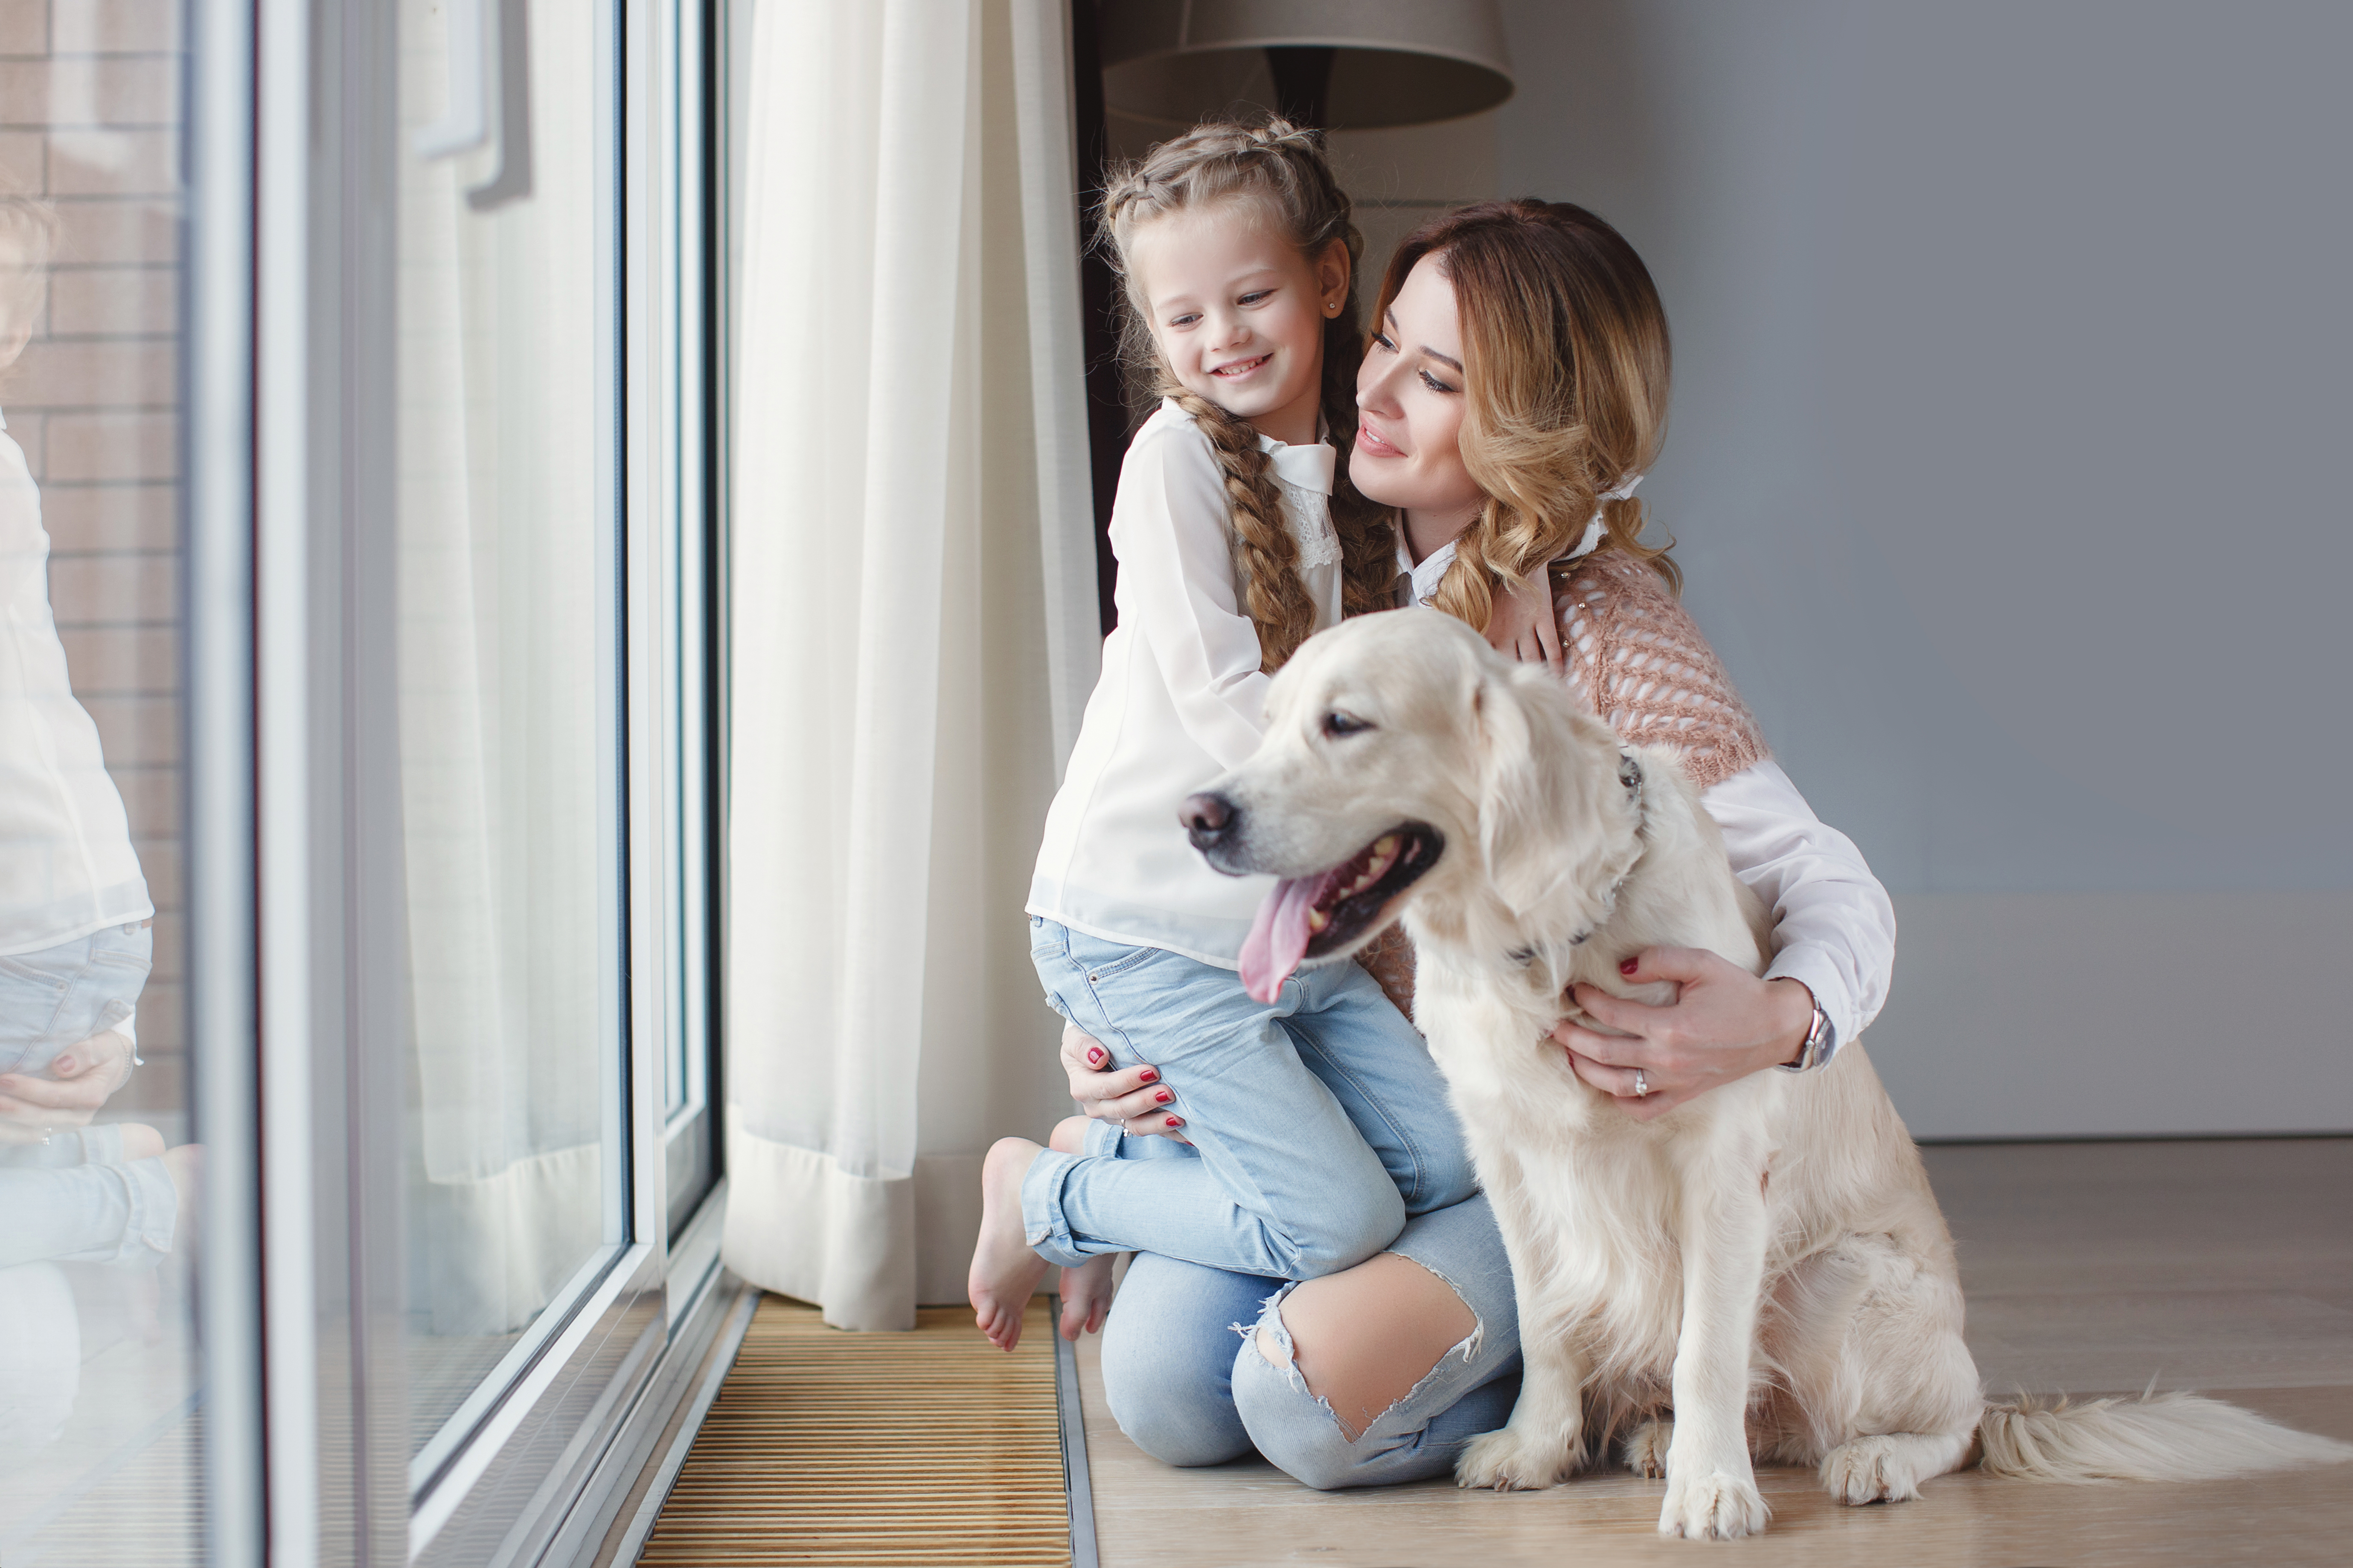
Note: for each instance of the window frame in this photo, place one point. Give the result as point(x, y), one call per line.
point(296, 1025)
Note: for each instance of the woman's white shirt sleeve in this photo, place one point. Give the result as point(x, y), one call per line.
point(1175, 549)
point(1833, 924)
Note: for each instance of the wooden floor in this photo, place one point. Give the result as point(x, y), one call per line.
point(2224, 1266)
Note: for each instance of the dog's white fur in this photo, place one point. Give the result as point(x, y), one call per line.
point(1762, 1271)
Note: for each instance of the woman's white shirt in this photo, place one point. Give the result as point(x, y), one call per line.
point(67, 867)
point(1833, 924)
point(1180, 700)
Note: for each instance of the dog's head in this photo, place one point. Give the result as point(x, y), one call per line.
point(1405, 759)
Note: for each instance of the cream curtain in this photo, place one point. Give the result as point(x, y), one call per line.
point(913, 630)
point(499, 707)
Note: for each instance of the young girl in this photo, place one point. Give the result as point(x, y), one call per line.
point(75, 942)
point(1316, 1124)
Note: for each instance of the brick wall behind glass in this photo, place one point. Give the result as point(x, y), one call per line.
point(89, 119)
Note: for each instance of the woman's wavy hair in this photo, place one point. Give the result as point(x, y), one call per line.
point(1283, 168)
point(1566, 369)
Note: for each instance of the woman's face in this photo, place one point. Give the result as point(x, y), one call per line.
point(1409, 397)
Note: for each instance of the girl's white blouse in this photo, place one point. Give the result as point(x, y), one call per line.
point(1180, 700)
point(67, 868)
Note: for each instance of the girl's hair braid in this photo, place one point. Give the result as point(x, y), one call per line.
point(1283, 167)
point(1274, 595)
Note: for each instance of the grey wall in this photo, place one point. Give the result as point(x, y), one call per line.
point(2010, 463)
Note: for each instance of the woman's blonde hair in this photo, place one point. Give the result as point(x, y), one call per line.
point(1565, 368)
point(1283, 168)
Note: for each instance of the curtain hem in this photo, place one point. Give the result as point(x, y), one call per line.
point(864, 1248)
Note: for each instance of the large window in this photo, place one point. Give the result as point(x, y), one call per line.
point(356, 674)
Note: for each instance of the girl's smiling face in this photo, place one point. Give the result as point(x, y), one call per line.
point(1238, 313)
point(1409, 450)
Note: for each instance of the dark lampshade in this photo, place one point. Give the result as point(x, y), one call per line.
point(1338, 64)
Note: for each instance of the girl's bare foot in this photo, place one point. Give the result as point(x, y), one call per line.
point(1086, 1289)
point(1086, 1297)
point(1004, 1272)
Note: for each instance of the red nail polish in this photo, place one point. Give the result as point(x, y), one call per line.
point(1628, 966)
point(1149, 1075)
point(1176, 1121)
point(1162, 1098)
point(1095, 1056)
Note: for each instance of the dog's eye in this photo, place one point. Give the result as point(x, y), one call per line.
point(1336, 723)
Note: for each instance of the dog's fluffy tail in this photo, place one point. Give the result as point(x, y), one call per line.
point(2156, 1438)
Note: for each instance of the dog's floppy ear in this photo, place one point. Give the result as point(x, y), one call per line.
point(1523, 817)
point(1547, 784)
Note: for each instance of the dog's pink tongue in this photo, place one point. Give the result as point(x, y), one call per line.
point(1278, 937)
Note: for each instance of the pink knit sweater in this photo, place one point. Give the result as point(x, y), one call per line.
point(1635, 661)
point(1638, 663)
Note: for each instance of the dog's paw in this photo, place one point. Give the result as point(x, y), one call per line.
point(1508, 1460)
point(1646, 1450)
point(1712, 1507)
point(1873, 1470)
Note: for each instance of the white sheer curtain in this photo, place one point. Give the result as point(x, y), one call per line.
point(499, 703)
point(914, 634)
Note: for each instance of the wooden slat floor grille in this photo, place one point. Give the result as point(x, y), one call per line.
point(874, 1451)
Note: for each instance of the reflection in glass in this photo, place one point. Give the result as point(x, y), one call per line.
point(500, 698)
point(101, 1388)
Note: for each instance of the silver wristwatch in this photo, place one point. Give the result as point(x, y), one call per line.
point(1822, 1039)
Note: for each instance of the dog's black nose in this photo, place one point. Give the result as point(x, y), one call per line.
point(1207, 818)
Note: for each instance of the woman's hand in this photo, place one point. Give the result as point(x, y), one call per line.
point(1134, 1096)
point(1524, 625)
point(80, 1080)
point(1723, 1024)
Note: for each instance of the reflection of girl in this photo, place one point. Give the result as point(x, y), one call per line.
point(1516, 379)
point(75, 937)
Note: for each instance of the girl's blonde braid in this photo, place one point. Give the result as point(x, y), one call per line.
point(1274, 596)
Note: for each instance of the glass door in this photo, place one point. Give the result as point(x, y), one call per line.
point(508, 695)
point(483, 669)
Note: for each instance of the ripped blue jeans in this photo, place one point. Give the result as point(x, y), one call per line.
point(1187, 1382)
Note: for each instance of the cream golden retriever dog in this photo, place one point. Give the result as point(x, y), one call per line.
point(1762, 1273)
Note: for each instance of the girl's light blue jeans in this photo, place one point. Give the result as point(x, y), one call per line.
point(1318, 1124)
point(1187, 1382)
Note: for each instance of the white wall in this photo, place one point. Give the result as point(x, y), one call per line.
point(2009, 464)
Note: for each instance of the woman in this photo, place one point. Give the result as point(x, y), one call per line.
point(1514, 394)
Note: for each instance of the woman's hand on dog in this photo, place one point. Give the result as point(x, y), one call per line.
point(1723, 1024)
point(1131, 1096)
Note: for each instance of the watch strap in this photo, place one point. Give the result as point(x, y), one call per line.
point(1820, 1041)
